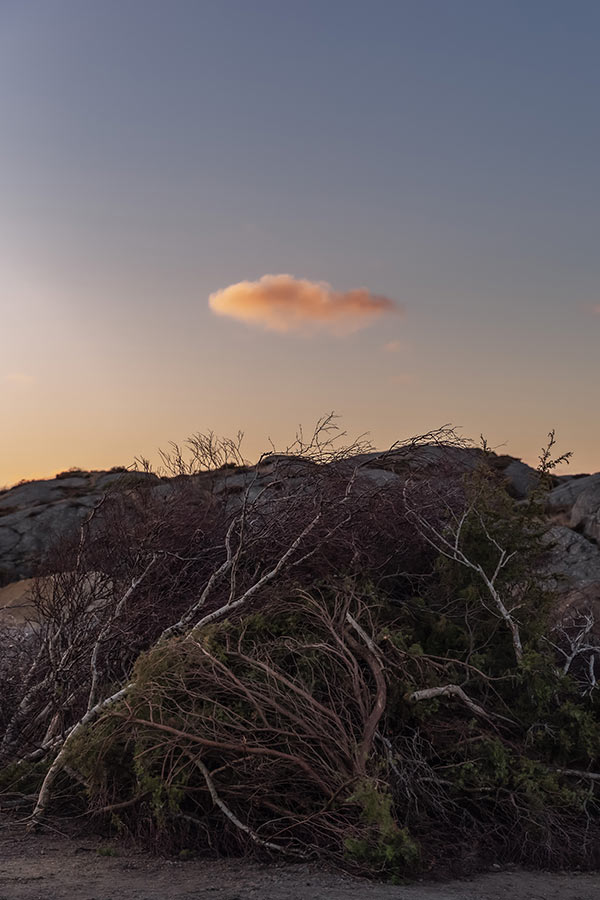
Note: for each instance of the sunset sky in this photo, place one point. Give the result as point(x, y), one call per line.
point(243, 214)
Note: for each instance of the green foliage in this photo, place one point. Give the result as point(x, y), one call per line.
point(504, 542)
point(385, 847)
point(25, 777)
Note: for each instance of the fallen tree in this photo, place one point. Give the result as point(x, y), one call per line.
point(327, 664)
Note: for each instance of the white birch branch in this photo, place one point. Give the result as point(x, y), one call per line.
point(60, 758)
point(234, 819)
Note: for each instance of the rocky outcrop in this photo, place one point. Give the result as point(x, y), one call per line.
point(35, 514)
point(520, 478)
point(573, 561)
point(573, 568)
point(566, 493)
point(585, 514)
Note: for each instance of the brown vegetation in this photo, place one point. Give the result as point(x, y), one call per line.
point(327, 665)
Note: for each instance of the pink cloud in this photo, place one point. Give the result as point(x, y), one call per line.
point(284, 303)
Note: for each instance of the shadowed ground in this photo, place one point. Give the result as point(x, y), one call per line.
point(51, 867)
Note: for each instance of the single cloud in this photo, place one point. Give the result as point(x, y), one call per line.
point(19, 378)
point(284, 303)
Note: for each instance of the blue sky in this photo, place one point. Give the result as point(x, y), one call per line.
point(442, 154)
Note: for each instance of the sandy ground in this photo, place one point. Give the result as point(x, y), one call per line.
point(49, 866)
point(15, 602)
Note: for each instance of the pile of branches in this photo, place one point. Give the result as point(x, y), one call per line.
point(332, 666)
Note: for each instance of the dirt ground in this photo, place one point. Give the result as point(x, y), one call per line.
point(50, 866)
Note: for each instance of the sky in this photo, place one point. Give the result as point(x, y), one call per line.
point(243, 214)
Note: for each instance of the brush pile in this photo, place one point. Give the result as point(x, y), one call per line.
point(338, 665)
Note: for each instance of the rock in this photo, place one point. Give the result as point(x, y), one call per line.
point(34, 493)
point(521, 478)
point(574, 561)
point(35, 514)
point(125, 480)
point(573, 570)
point(567, 493)
point(381, 477)
point(280, 462)
point(163, 491)
point(423, 459)
point(235, 483)
point(585, 515)
point(26, 535)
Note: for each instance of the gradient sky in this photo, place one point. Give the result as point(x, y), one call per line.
point(441, 154)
